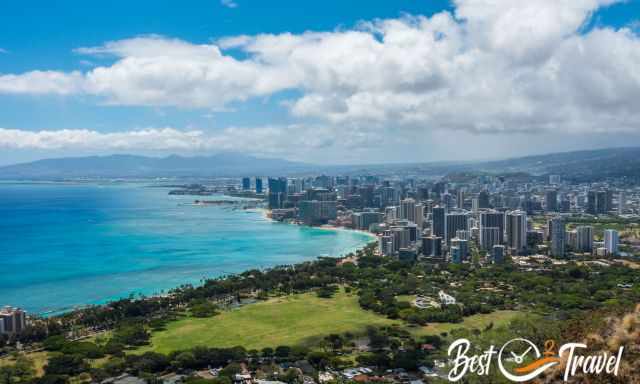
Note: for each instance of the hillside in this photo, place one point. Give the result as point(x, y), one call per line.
point(228, 164)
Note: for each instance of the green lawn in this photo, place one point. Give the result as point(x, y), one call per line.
point(39, 361)
point(290, 320)
point(479, 321)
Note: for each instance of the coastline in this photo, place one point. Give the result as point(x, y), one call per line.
point(55, 312)
point(329, 227)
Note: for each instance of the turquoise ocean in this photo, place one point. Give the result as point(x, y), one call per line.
point(66, 245)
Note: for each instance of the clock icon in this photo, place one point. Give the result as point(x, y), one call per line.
point(520, 351)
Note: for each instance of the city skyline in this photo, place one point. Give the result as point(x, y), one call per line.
point(284, 82)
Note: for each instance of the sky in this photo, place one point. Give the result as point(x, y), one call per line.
point(327, 82)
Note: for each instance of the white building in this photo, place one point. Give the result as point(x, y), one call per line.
point(446, 299)
point(611, 240)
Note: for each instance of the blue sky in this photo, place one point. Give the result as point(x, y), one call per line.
point(42, 36)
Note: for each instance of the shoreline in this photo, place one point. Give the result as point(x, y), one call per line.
point(328, 227)
point(55, 312)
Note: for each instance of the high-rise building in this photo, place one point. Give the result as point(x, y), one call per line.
point(571, 239)
point(551, 200)
point(363, 220)
point(439, 221)
point(246, 183)
point(12, 321)
point(386, 244)
point(622, 203)
point(432, 246)
point(277, 192)
point(390, 214)
point(456, 255)
point(463, 247)
point(584, 238)
point(258, 185)
point(611, 240)
point(554, 179)
point(516, 231)
point(492, 219)
point(401, 237)
point(314, 212)
point(454, 222)
point(460, 198)
point(483, 200)
point(463, 235)
point(419, 216)
point(558, 239)
point(599, 202)
point(408, 210)
point(489, 236)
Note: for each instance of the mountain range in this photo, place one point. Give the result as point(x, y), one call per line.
point(131, 166)
point(578, 166)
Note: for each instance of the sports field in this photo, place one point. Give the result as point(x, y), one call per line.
point(290, 320)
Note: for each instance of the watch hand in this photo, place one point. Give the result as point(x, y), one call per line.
point(514, 355)
point(525, 353)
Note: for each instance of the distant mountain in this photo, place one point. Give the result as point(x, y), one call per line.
point(590, 165)
point(129, 166)
point(586, 165)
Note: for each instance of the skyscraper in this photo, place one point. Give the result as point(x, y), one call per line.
point(314, 212)
point(401, 237)
point(489, 236)
point(584, 238)
point(432, 246)
point(483, 200)
point(277, 192)
point(611, 240)
point(460, 198)
point(438, 221)
point(517, 231)
point(454, 222)
point(622, 203)
point(456, 255)
point(258, 185)
point(492, 219)
point(246, 183)
point(558, 239)
point(419, 216)
point(408, 210)
point(551, 200)
point(599, 202)
point(462, 245)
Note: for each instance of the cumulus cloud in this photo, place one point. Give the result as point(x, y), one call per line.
point(489, 66)
point(292, 141)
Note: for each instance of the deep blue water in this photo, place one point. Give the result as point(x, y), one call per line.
point(67, 245)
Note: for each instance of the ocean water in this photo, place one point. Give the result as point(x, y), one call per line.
point(68, 245)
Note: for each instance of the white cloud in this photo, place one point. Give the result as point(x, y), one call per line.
point(491, 66)
point(229, 3)
point(43, 82)
point(291, 141)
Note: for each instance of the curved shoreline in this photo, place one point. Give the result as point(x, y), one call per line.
point(163, 291)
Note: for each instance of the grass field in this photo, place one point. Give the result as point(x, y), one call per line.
point(290, 320)
point(479, 321)
point(39, 361)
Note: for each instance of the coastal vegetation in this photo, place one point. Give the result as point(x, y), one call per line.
point(331, 312)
